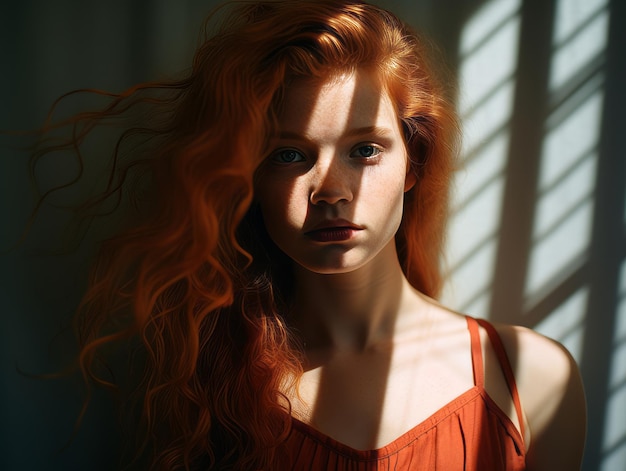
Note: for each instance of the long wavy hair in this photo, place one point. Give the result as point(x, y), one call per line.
point(194, 282)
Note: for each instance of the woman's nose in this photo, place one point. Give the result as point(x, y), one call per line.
point(331, 182)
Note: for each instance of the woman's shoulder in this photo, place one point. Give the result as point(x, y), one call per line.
point(549, 385)
point(544, 369)
point(535, 356)
point(552, 397)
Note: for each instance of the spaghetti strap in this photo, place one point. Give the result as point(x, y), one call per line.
point(477, 352)
point(507, 370)
point(470, 432)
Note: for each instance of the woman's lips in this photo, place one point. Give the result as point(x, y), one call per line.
point(334, 234)
point(333, 231)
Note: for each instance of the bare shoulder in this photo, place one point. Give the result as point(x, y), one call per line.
point(552, 397)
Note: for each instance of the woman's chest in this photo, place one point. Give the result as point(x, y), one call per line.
point(368, 400)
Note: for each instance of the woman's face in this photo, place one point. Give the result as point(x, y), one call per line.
point(331, 191)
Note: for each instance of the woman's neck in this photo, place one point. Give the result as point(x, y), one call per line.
point(352, 311)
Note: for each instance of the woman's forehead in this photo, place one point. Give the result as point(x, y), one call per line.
point(351, 100)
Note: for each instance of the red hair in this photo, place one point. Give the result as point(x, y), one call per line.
point(196, 279)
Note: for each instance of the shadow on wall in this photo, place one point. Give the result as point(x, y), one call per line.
point(537, 233)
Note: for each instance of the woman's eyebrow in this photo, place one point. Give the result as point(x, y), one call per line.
point(368, 131)
point(379, 131)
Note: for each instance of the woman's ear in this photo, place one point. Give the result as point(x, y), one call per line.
point(411, 178)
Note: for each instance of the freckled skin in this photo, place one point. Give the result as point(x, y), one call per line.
point(380, 356)
point(321, 170)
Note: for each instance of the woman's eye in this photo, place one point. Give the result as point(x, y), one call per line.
point(287, 156)
point(366, 151)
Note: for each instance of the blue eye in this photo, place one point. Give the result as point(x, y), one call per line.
point(287, 156)
point(366, 151)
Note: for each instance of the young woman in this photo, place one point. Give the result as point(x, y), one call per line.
point(279, 279)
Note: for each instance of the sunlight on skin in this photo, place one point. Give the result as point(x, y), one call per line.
point(380, 357)
point(335, 139)
point(325, 131)
point(373, 342)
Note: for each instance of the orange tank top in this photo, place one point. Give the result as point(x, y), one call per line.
point(469, 433)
